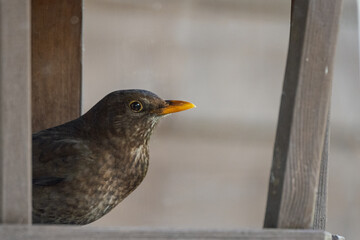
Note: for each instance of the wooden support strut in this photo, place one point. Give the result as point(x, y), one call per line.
point(303, 116)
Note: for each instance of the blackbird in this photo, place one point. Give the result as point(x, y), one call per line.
point(82, 169)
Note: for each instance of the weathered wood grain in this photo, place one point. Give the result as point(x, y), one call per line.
point(303, 114)
point(15, 131)
point(37, 232)
point(321, 199)
point(56, 61)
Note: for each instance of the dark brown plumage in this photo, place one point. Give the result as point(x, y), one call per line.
point(84, 168)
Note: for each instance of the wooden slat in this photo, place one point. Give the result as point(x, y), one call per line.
point(15, 133)
point(56, 61)
point(37, 232)
point(303, 114)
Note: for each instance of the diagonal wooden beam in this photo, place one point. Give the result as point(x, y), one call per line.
point(303, 114)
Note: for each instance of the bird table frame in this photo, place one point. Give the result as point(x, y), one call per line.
point(46, 48)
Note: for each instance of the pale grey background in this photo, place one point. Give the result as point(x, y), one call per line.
point(210, 166)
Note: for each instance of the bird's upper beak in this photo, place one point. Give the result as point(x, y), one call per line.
point(173, 106)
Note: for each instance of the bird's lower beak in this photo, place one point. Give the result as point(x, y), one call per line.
point(176, 106)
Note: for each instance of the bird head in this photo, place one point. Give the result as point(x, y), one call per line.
point(134, 113)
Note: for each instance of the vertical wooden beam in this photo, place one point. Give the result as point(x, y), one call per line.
point(15, 133)
point(56, 61)
point(303, 114)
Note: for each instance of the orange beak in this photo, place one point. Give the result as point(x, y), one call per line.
point(176, 106)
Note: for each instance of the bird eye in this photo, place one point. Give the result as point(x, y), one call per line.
point(136, 106)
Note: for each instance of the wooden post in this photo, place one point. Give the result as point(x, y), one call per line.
point(56, 61)
point(303, 114)
point(15, 133)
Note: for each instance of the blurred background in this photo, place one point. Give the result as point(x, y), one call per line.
point(209, 167)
